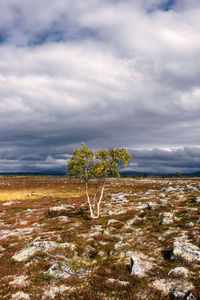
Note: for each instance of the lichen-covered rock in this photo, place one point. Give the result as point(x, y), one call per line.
point(53, 290)
point(169, 286)
point(65, 270)
point(186, 251)
point(119, 198)
point(166, 218)
point(20, 281)
point(179, 271)
point(139, 267)
point(33, 248)
point(189, 187)
point(168, 189)
point(120, 245)
point(61, 209)
point(20, 296)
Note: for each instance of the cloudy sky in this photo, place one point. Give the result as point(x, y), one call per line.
point(105, 72)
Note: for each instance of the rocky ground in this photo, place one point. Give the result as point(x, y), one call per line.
point(145, 245)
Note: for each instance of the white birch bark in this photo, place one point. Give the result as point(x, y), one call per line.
point(100, 198)
point(89, 202)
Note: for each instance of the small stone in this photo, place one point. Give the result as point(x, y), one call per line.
point(168, 189)
point(107, 231)
point(81, 209)
point(131, 222)
point(177, 295)
point(120, 282)
point(20, 281)
point(120, 245)
point(127, 254)
point(194, 209)
point(151, 205)
point(23, 223)
point(191, 297)
point(162, 195)
point(96, 227)
point(166, 218)
point(1, 249)
point(196, 200)
point(101, 253)
point(111, 221)
point(179, 271)
point(119, 198)
point(51, 293)
point(198, 221)
point(20, 296)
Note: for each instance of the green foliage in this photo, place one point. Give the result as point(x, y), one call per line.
point(86, 164)
point(76, 266)
point(177, 174)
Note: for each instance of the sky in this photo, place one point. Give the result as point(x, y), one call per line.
point(109, 73)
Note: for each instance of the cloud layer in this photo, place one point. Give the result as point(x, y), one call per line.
point(109, 73)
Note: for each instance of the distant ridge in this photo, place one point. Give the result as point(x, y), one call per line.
point(122, 173)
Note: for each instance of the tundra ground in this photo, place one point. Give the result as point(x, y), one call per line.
point(141, 219)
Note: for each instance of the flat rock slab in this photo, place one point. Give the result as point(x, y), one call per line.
point(186, 251)
point(33, 248)
point(119, 197)
point(65, 270)
point(178, 272)
point(65, 209)
point(167, 286)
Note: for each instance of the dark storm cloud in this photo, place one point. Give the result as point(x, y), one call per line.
point(108, 73)
point(186, 160)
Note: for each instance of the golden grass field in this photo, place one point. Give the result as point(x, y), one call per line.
point(22, 188)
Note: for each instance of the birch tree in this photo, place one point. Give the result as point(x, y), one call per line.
point(94, 168)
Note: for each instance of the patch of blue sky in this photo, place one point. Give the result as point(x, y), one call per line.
point(57, 35)
point(164, 6)
point(167, 5)
point(2, 38)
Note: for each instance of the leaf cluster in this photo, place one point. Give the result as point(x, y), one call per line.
point(86, 164)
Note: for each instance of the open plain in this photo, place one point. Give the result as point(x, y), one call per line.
point(145, 245)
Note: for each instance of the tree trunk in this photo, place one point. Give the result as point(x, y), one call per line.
point(100, 198)
point(92, 207)
point(89, 202)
